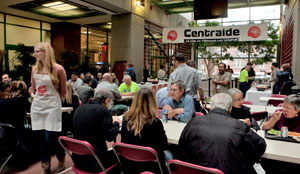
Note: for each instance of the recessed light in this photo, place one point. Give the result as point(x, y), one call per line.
point(52, 4)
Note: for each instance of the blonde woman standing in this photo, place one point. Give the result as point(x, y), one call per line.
point(48, 81)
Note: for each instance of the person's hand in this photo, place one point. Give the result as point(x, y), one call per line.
point(247, 121)
point(116, 119)
point(214, 81)
point(168, 107)
point(277, 115)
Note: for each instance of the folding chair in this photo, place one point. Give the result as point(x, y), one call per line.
point(180, 167)
point(274, 102)
point(154, 89)
point(165, 85)
point(259, 116)
point(247, 103)
point(278, 96)
point(198, 114)
point(160, 86)
point(82, 148)
point(136, 153)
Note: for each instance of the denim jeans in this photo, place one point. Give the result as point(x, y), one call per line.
point(49, 143)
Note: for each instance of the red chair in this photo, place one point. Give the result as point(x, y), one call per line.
point(247, 103)
point(136, 153)
point(180, 167)
point(278, 96)
point(280, 105)
point(260, 116)
point(274, 102)
point(165, 85)
point(159, 110)
point(83, 148)
point(198, 114)
point(160, 86)
point(154, 89)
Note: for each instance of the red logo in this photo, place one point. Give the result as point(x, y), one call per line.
point(254, 31)
point(172, 35)
point(42, 89)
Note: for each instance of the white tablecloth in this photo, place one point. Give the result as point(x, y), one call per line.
point(150, 85)
point(253, 95)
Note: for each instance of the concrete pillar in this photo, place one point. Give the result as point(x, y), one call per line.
point(65, 36)
point(127, 41)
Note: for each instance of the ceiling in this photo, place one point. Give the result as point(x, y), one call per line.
point(184, 6)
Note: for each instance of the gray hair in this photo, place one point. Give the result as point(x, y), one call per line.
point(102, 94)
point(294, 100)
point(180, 84)
point(233, 91)
point(222, 101)
point(126, 76)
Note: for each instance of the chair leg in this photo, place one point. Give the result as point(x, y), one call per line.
point(5, 162)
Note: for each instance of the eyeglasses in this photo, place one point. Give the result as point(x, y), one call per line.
point(37, 51)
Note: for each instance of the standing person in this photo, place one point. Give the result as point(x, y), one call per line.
point(229, 69)
point(130, 72)
point(190, 77)
point(161, 74)
point(141, 126)
point(251, 74)
point(283, 76)
point(275, 69)
point(244, 77)
point(146, 73)
point(221, 80)
point(48, 81)
point(219, 141)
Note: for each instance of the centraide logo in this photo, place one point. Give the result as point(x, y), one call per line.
point(172, 35)
point(254, 32)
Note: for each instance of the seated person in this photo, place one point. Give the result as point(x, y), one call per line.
point(142, 127)
point(75, 80)
point(106, 83)
point(179, 106)
point(85, 91)
point(93, 123)
point(239, 111)
point(161, 97)
point(287, 116)
point(128, 87)
point(219, 141)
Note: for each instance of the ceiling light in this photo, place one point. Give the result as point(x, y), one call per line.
point(63, 7)
point(140, 3)
point(109, 23)
point(52, 4)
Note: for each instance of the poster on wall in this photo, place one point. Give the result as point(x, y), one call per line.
point(251, 32)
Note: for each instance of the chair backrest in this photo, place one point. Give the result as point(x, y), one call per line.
point(159, 110)
point(247, 103)
point(154, 89)
point(136, 153)
point(80, 148)
point(280, 105)
point(180, 167)
point(274, 102)
point(259, 115)
point(160, 86)
point(278, 96)
point(165, 85)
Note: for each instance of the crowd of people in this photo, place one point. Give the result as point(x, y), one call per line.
point(221, 139)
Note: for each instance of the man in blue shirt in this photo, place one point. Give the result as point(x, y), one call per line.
point(161, 97)
point(179, 106)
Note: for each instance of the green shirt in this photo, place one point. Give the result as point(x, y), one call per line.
point(125, 89)
point(243, 76)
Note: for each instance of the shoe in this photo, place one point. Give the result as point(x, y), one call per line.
point(46, 168)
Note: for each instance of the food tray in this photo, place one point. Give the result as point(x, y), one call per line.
point(274, 135)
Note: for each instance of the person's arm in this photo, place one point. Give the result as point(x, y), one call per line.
point(214, 89)
point(272, 121)
point(32, 82)
point(189, 110)
point(111, 129)
point(61, 74)
point(254, 146)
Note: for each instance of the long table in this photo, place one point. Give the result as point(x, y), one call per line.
point(276, 150)
point(254, 95)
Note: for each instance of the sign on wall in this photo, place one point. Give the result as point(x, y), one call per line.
point(251, 32)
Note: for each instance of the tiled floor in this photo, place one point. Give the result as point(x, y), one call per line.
point(36, 168)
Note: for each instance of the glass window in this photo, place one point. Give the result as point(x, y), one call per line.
point(22, 21)
point(46, 26)
point(46, 36)
point(1, 17)
point(239, 14)
point(265, 12)
point(83, 41)
point(1, 36)
point(15, 35)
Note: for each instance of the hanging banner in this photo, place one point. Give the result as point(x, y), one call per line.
point(251, 32)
